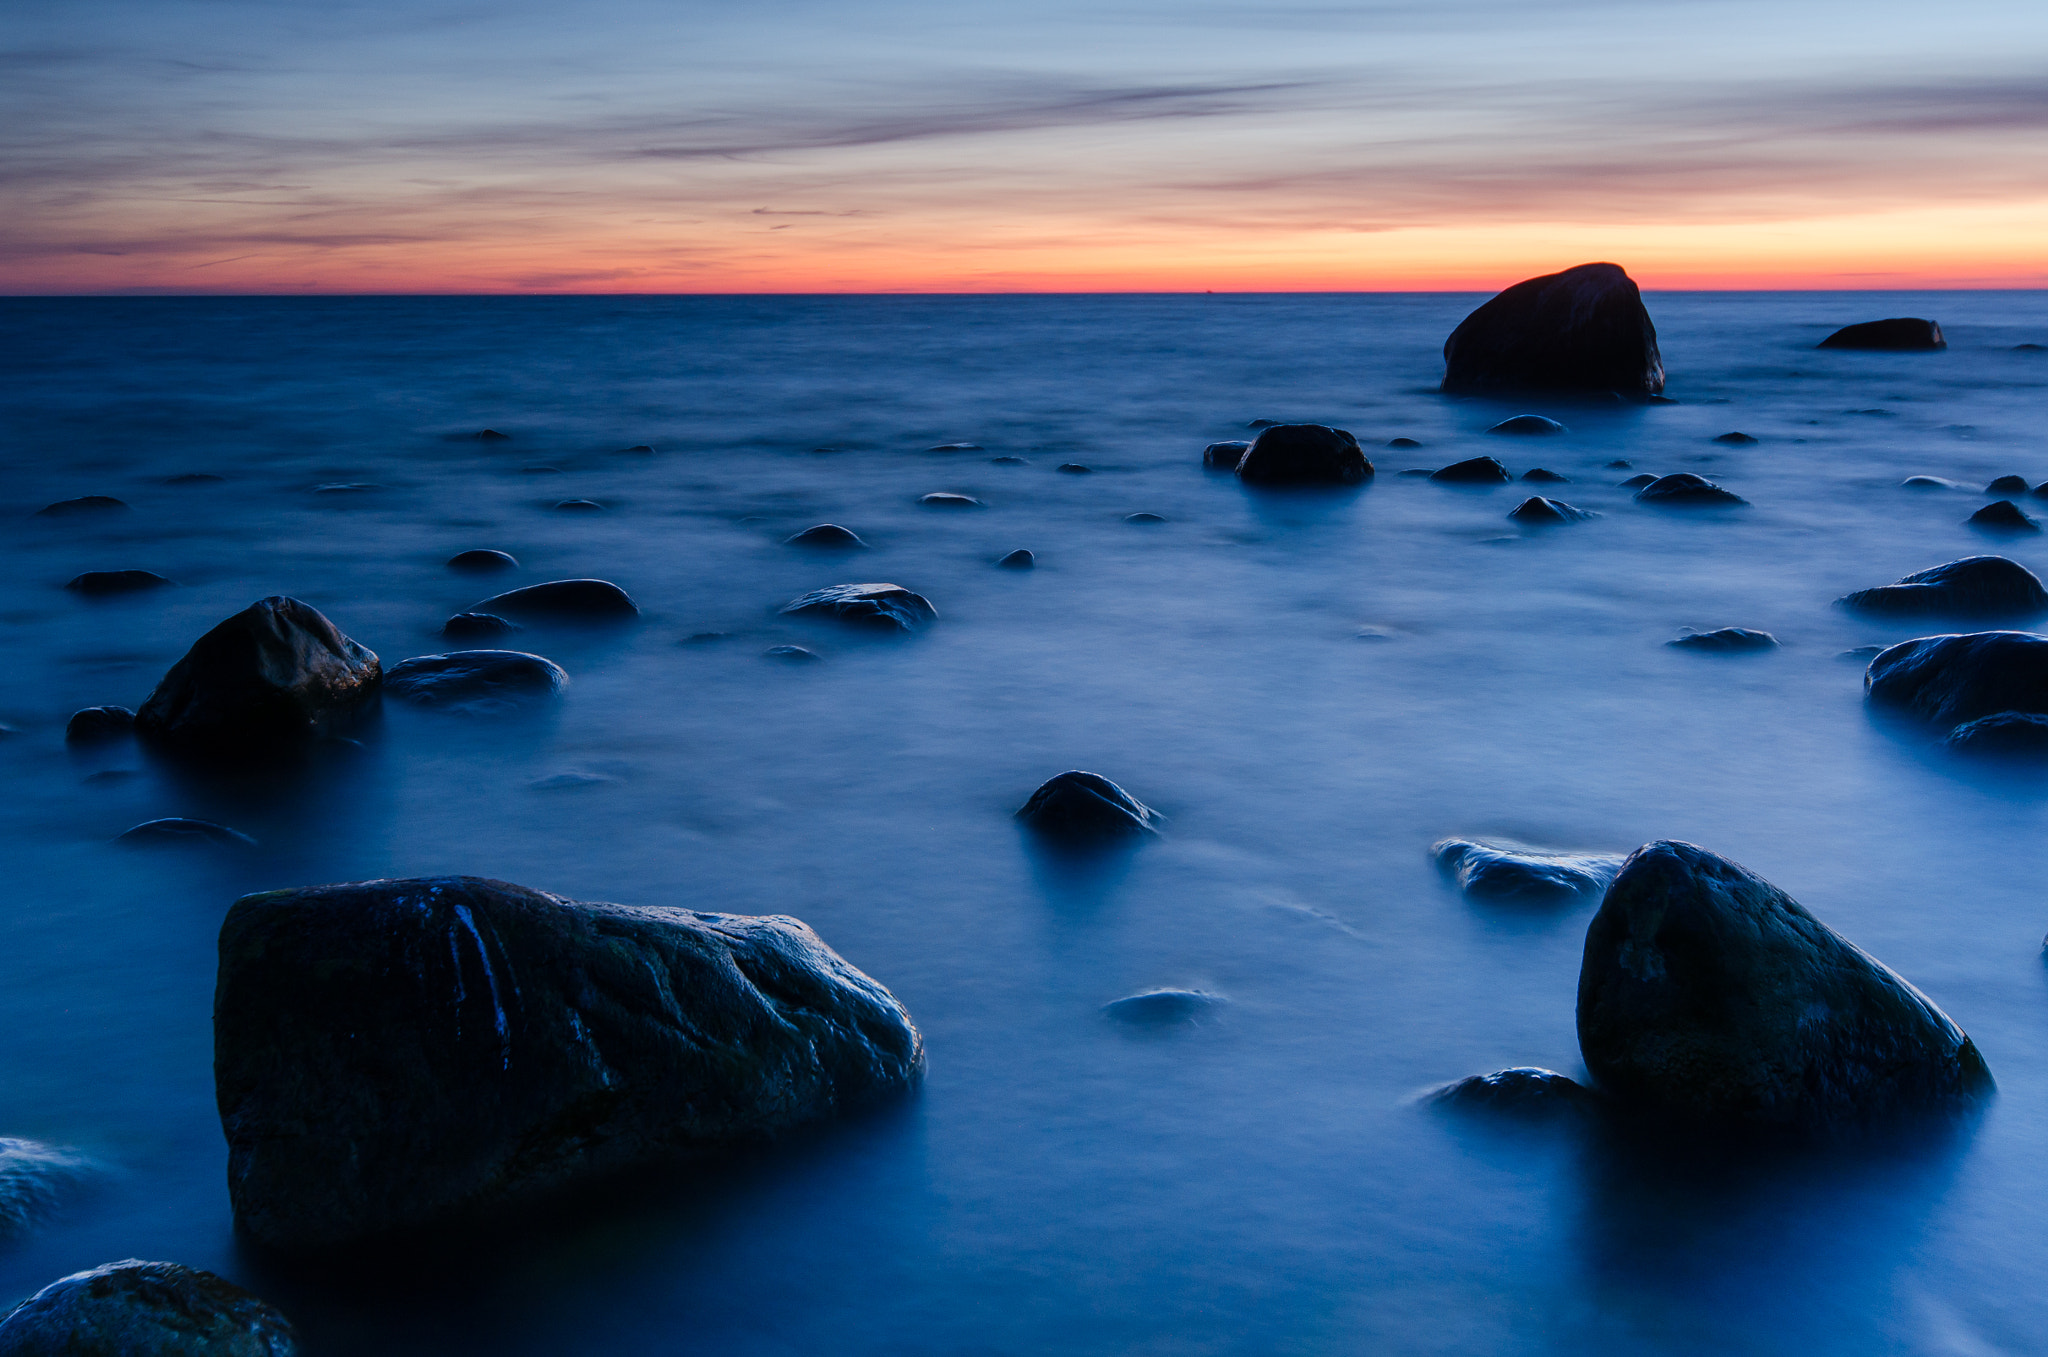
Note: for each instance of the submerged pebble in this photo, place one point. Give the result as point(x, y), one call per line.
point(97, 725)
point(482, 561)
point(1527, 425)
point(84, 504)
point(1526, 1092)
point(1685, 490)
point(1020, 559)
point(945, 499)
point(1472, 471)
point(1536, 511)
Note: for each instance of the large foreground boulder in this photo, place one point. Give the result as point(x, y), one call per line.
point(393, 1054)
point(1304, 454)
point(274, 676)
point(1582, 330)
point(1708, 994)
point(138, 1309)
point(1898, 333)
point(1975, 586)
point(1948, 680)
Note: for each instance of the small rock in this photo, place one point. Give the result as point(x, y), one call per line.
point(941, 499)
point(1726, 640)
point(1975, 586)
point(1418, 472)
point(2007, 485)
point(826, 535)
point(1620, 464)
point(1735, 439)
point(482, 561)
point(1163, 1007)
point(1526, 1093)
point(580, 506)
point(1513, 871)
point(1020, 559)
point(1637, 481)
point(563, 600)
point(475, 682)
point(643, 448)
point(137, 1309)
point(178, 832)
point(1074, 468)
point(1536, 512)
point(883, 605)
point(1224, 456)
point(2030, 348)
point(84, 504)
point(346, 488)
point(1264, 424)
point(1947, 680)
point(1545, 476)
point(1144, 518)
point(100, 583)
point(1304, 454)
point(955, 447)
point(1901, 332)
point(2002, 516)
point(561, 782)
point(477, 626)
point(1008, 461)
point(2006, 732)
point(1472, 471)
point(1582, 330)
point(1402, 443)
point(1082, 806)
point(97, 725)
point(790, 654)
point(490, 436)
point(1527, 425)
point(540, 471)
point(1931, 483)
point(1685, 490)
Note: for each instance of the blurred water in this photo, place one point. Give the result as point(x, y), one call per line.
point(1257, 1183)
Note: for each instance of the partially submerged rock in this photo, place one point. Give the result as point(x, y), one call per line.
point(2002, 516)
point(1304, 454)
point(1708, 994)
point(829, 536)
point(1544, 475)
point(1582, 330)
point(475, 681)
point(1075, 469)
point(1528, 426)
point(1974, 586)
point(579, 506)
point(1636, 482)
point(84, 504)
point(1538, 512)
point(101, 583)
point(945, 499)
point(1514, 871)
point(137, 1309)
point(1898, 333)
point(179, 832)
point(2007, 485)
point(1078, 806)
point(1020, 559)
point(1726, 640)
point(1931, 483)
point(1226, 455)
point(272, 677)
point(790, 654)
point(563, 601)
point(1685, 490)
point(1472, 471)
point(390, 1055)
point(2007, 732)
point(477, 627)
point(482, 561)
point(1735, 439)
point(1948, 680)
point(34, 1178)
point(1163, 1007)
point(97, 725)
point(881, 605)
point(1527, 1092)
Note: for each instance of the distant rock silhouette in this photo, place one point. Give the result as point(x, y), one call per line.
point(83, 505)
point(2002, 516)
point(97, 725)
point(563, 601)
point(1020, 559)
point(943, 499)
point(1735, 439)
point(482, 561)
point(1582, 330)
point(1226, 455)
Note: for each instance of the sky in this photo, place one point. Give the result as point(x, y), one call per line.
point(528, 146)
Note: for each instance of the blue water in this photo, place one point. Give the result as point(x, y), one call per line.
point(1261, 1182)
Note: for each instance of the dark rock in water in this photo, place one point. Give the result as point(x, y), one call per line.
point(137, 1309)
point(1264, 423)
point(941, 499)
point(882, 605)
point(1526, 1092)
point(2030, 348)
point(1020, 559)
point(476, 626)
point(1008, 461)
point(1144, 518)
point(580, 506)
point(1931, 483)
point(1536, 511)
point(1224, 456)
point(474, 681)
point(393, 1054)
point(1402, 443)
point(2006, 732)
point(1472, 471)
point(194, 478)
point(2041, 490)
point(638, 447)
point(2007, 485)
point(1074, 468)
point(1528, 425)
point(1707, 993)
point(1685, 490)
point(1584, 329)
point(1082, 806)
point(1637, 481)
point(273, 676)
point(790, 654)
point(2002, 516)
point(1735, 439)
point(491, 436)
point(96, 725)
point(1304, 454)
point(704, 638)
point(1418, 472)
point(828, 535)
point(1163, 1007)
point(346, 488)
point(955, 447)
point(33, 1180)
point(1512, 871)
point(563, 600)
point(84, 504)
point(1898, 333)
point(178, 832)
point(482, 561)
point(1619, 464)
point(100, 583)
point(1545, 476)
point(1975, 586)
point(1726, 640)
point(1948, 680)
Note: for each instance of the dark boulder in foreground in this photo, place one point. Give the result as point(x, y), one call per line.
point(137, 1309)
point(1975, 586)
point(1901, 332)
point(2002, 516)
point(84, 504)
point(100, 583)
point(1726, 640)
point(564, 601)
point(2006, 732)
point(1584, 329)
point(483, 561)
point(1545, 476)
point(1708, 994)
point(1080, 807)
point(1527, 426)
point(97, 725)
point(475, 681)
point(1538, 512)
point(1526, 1092)
point(273, 676)
point(1163, 1007)
point(829, 536)
point(1685, 490)
point(1948, 680)
point(880, 605)
point(477, 627)
point(1226, 455)
point(393, 1054)
point(1472, 471)
point(178, 832)
point(1512, 871)
point(1020, 559)
point(1304, 454)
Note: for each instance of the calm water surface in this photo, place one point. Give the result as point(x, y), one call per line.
point(1314, 687)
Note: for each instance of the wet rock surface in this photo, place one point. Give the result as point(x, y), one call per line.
point(1527, 426)
point(1545, 476)
point(2007, 732)
point(2003, 516)
point(1020, 559)
point(1226, 455)
point(1082, 807)
point(1526, 1092)
point(1163, 1008)
point(1898, 333)
point(482, 561)
point(1726, 641)
point(1735, 439)
point(1948, 680)
point(394, 1054)
point(945, 499)
point(2007, 485)
point(178, 832)
point(137, 1309)
point(474, 681)
point(888, 606)
point(1685, 490)
point(1582, 330)
point(105, 583)
point(477, 627)
point(1974, 586)
point(1538, 512)
point(563, 601)
point(1472, 471)
point(1512, 871)
point(827, 536)
point(97, 725)
point(1304, 454)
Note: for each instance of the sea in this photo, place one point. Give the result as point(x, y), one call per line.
point(1313, 687)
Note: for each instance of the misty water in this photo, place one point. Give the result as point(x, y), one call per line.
point(1312, 687)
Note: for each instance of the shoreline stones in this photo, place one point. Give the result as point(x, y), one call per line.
point(563, 601)
point(1304, 454)
point(1971, 586)
point(1544, 476)
point(827, 536)
point(946, 499)
point(275, 675)
point(1083, 807)
point(138, 1309)
point(1899, 334)
point(1584, 330)
point(475, 681)
point(1707, 993)
point(392, 1055)
point(102, 583)
point(1538, 512)
point(2008, 485)
point(1472, 471)
point(1685, 490)
point(2007, 732)
point(879, 605)
point(1726, 641)
point(1736, 439)
point(1513, 871)
point(1950, 680)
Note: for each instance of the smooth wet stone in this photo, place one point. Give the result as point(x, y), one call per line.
point(83, 505)
point(580, 506)
point(1637, 481)
point(1080, 806)
point(1472, 471)
point(1726, 640)
point(97, 725)
point(1304, 454)
point(1421, 473)
point(790, 654)
point(1708, 994)
point(2002, 516)
point(829, 536)
point(1226, 455)
point(1008, 461)
point(1975, 586)
point(482, 561)
point(1163, 1007)
point(943, 499)
point(563, 600)
point(1619, 464)
point(1544, 476)
point(1527, 1092)
point(1536, 511)
point(1931, 483)
point(881, 605)
point(102, 583)
point(1074, 469)
point(1020, 559)
point(1735, 439)
point(2008, 485)
point(475, 681)
point(2041, 490)
point(1898, 333)
point(490, 436)
point(390, 1055)
point(1685, 490)
point(137, 1309)
point(34, 1178)
point(1513, 871)
point(1144, 518)
point(1528, 426)
point(178, 832)
point(640, 448)
point(1948, 680)
point(1583, 329)
point(955, 447)
point(1403, 443)
point(272, 677)
point(477, 626)
point(2006, 732)
point(1264, 423)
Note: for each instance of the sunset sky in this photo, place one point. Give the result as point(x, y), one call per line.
point(796, 145)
